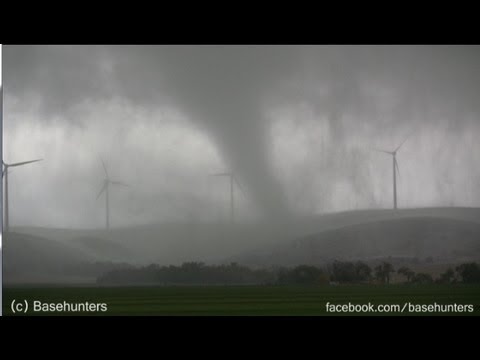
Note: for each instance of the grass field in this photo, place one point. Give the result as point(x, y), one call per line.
point(244, 300)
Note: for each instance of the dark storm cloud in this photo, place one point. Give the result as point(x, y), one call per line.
point(61, 76)
point(220, 78)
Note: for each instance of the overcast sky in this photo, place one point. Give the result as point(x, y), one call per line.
point(296, 124)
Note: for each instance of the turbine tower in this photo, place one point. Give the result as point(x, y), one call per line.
point(5, 175)
point(106, 183)
point(233, 180)
point(395, 169)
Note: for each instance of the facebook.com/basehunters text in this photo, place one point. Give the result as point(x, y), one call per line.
point(405, 308)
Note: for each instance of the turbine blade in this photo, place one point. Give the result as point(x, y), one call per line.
point(119, 183)
point(383, 151)
point(239, 186)
point(396, 165)
point(24, 162)
point(104, 167)
point(403, 142)
point(102, 190)
point(221, 174)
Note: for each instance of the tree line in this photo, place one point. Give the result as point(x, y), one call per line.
point(338, 272)
point(188, 273)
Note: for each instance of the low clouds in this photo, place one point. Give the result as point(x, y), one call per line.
point(158, 153)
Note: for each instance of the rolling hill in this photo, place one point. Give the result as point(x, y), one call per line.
point(420, 238)
point(443, 233)
point(37, 259)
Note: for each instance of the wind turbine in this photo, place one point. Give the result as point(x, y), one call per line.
point(395, 169)
point(106, 183)
point(233, 180)
point(5, 174)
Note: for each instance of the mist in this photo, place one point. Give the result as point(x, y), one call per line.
point(297, 126)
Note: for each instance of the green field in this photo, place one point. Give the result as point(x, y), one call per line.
point(244, 300)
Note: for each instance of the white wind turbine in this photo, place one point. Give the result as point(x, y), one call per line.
point(5, 175)
point(395, 169)
point(106, 184)
point(233, 180)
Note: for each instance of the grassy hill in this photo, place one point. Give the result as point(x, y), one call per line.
point(38, 259)
point(101, 249)
point(409, 238)
point(447, 233)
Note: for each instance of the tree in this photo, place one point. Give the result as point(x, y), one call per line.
point(447, 277)
point(343, 272)
point(302, 274)
point(388, 269)
point(405, 271)
point(305, 274)
point(469, 272)
point(362, 271)
point(422, 278)
point(379, 273)
point(383, 271)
